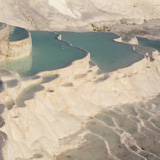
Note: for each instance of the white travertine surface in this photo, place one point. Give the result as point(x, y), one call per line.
point(64, 118)
point(70, 14)
point(37, 125)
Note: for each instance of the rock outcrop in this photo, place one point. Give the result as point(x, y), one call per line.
point(16, 48)
point(20, 48)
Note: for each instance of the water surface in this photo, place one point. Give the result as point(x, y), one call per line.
point(149, 43)
point(47, 54)
point(17, 33)
point(106, 53)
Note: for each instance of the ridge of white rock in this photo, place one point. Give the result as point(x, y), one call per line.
point(127, 40)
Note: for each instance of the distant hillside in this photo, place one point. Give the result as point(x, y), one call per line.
point(70, 14)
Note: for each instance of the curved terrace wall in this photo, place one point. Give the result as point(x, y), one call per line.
point(4, 32)
point(20, 48)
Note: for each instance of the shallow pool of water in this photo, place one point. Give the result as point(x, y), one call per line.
point(106, 53)
point(149, 43)
point(17, 33)
point(48, 53)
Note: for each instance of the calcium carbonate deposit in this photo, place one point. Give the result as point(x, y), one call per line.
point(71, 91)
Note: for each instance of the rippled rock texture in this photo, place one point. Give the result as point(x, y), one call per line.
point(77, 113)
point(126, 132)
point(55, 115)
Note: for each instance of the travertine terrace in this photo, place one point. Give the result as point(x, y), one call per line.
point(13, 49)
point(76, 113)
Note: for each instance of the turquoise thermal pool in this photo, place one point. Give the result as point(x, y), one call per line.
point(106, 53)
point(48, 53)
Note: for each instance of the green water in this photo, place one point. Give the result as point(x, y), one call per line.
point(149, 43)
point(107, 54)
point(17, 33)
point(47, 54)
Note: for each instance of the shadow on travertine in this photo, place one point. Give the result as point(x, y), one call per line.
point(29, 92)
point(128, 132)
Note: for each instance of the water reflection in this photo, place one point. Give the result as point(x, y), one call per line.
point(149, 43)
point(106, 53)
point(47, 54)
point(20, 66)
